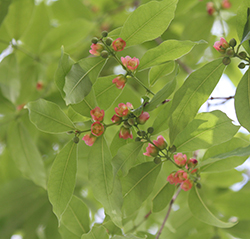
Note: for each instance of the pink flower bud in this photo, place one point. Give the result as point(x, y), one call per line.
point(97, 128)
point(151, 151)
point(160, 142)
point(116, 119)
point(180, 159)
point(186, 185)
point(226, 4)
point(96, 49)
point(181, 175)
point(118, 44)
point(210, 8)
point(130, 63)
point(221, 45)
point(172, 178)
point(120, 81)
point(143, 118)
point(125, 133)
point(123, 109)
point(97, 114)
point(89, 139)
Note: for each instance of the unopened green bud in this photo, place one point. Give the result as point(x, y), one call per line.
point(157, 160)
point(94, 40)
point(131, 121)
point(198, 185)
point(139, 133)
point(143, 133)
point(104, 33)
point(150, 130)
point(109, 41)
point(137, 139)
point(126, 124)
point(76, 140)
point(226, 61)
point(232, 42)
point(242, 65)
point(242, 55)
point(172, 149)
point(229, 52)
point(104, 54)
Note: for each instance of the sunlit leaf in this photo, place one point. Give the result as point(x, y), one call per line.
point(141, 24)
point(202, 212)
point(62, 178)
point(48, 117)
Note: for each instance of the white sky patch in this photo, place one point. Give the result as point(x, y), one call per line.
point(119, 70)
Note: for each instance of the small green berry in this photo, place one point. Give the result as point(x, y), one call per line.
point(137, 139)
point(76, 140)
point(109, 41)
point(157, 160)
point(143, 133)
point(139, 133)
point(94, 40)
point(172, 149)
point(104, 54)
point(232, 42)
point(198, 185)
point(150, 130)
point(226, 61)
point(229, 52)
point(104, 33)
point(242, 55)
point(242, 65)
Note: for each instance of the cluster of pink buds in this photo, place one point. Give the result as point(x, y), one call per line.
point(97, 128)
point(153, 149)
point(182, 176)
point(124, 114)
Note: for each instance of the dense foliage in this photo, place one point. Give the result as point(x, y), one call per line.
point(101, 133)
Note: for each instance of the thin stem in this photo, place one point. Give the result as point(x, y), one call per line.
point(168, 212)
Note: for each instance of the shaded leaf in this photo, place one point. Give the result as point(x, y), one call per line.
point(4, 7)
point(62, 178)
point(201, 211)
point(48, 117)
point(96, 232)
point(25, 154)
point(206, 130)
point(246, 33)
point(192, 94)
point(140, 25)
point(137, 185)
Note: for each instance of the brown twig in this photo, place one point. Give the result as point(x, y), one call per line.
point(168, 212)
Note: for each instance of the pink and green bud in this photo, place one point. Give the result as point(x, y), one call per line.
point(125, 133)
point(151, 151)
point(172, 178)
point(186, 185)
point(97, 114)
point(180, 159)
point(130, 63)
point(181, 175)
point(118, 44)
point(89, 139)
point(123, 109)
point(96, 49)
point(221, 45)
point(160, 142)
point(143, 118)
point(226, 4)
point(120, 81)
point(97, 128)
point(210, 8)
point(116, 119)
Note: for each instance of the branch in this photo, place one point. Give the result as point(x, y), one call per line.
point(168, 212)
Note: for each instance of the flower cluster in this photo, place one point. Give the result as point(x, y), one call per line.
point(124, 114)
point(182, 176)
point(153, 149)
point(211, 9)
point(97, 128)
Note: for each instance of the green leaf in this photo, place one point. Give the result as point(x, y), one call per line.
point(96, 232)
point(157, 72)
point(68, 34)
point(242, 101)
point(105, 91)
point(126, 157)
point(128, 237)
point(163, 197)
point(4, 7)
point(76, 217)
point(206, 130)
point(201, 211)
point(106, 191)
point(246, 33)
point(161, 96)
point(62, 178)
point(48, 117)
point(141, 24)
point(79, 79)
point(137, 186)
point(9, 78)
point(166, 51)
point(239, 152)
point(63, 68)
point(192, 94)
point(25, 154)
